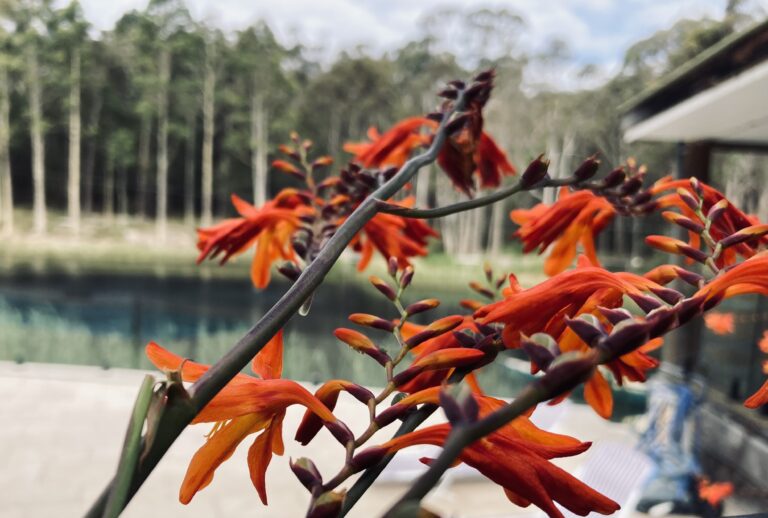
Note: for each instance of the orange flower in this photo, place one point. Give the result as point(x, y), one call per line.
point(469, 152)
point(393, 236)
point(270, 228)
point(759, 398)
point(393, 148)
point(544, 308)
point(576, 217)
point(522, 468)
point(719, 323)
point(750, 276)
point(730, 220)
point(247, 405)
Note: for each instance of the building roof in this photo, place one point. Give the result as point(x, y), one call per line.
point(721, 96)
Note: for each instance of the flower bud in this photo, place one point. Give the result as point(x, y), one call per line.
point(688, 198)
point(587, 327)
point(627, 336)
point(535, 172)
point(320, 162)
point(692, 278)
point(587, 169)
point(448, 93)
point(614, 178)
point(631, 185)
point(391, 415)
point(392, 266)
point(541, 348)
point(367, 458)
point(745, 234)
point(472, 305)
point(406, 277)
point(668, 295)
point(465, 337)
point(488, 271)
point(716, 210)
point(383, 287)
point(646, 303)
point(327, 505)
point(615, 315)
point(567, 368)
point(340, 431)
point(456, 124)
point(458, 403)
point(362, 344)
point(435, 116)
point(289, 151)
point(485, 292)
point(290, 270)
point(364, 319)
point(307, 473)
point(440, 359)
point(421, 306)
point(687, 223)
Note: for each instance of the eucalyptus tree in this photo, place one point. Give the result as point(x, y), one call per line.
point(170, 17)
point(71, 34)
point(213, 49)
point(7, 62)
point(133, 41)
point(258, 60)
point(34, 20)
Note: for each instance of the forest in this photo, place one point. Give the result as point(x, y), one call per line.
point(164, 116)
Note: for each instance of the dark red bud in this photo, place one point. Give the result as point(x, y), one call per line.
point(383, 287)
point(456, 124)
point(406, 277)
point(645, 302)
point(587, 169)
point(535, 172)
point(615, 315)
point(421, 306)
point(627, 336)
point(289, 270)
point(327, 505)
point(448, 93)
point(485, 292)
point(587, 327)
point(392, 266)
point(614, 178)
point(693, 253)
point(307, 473)
point(340, 431)
point(688, 198)
point(367, 458)
point(391, 415)
point(540, 355)
point(668, 295)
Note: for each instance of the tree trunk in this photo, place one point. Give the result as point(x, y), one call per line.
point(109, 188)
point(6, 184)
point(259, 140)
point(73, 183)
point(209, 86)
point(38, 143)
point(90, 154)
point(145, 134)
point(161, 212)
point(423, 179)
point(122, 194)
point(189, 169)
point(496, 235)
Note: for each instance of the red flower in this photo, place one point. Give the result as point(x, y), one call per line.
point(246, 406)
point(467, 153)
point(575, 218)
point(393, 236)
point(544, 308)
point(270, 228)
point(393, 148)
point(729, 221)
point(519, 462)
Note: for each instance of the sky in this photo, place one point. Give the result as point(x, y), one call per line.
point(596, 32)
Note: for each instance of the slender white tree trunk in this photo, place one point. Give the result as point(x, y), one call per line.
point(109, 188)
point(90, 154)
point(73, 183)
point(259, 140)
point(161, 213)
point(38, 142)
point(209, 86)
point(145, 134)
point(6, 187)
point(122, 194)
point(496, 235)
point(189, 169)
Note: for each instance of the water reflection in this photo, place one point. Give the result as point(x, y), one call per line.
point(105, 320)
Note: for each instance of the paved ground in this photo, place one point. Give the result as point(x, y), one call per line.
point(62, 428)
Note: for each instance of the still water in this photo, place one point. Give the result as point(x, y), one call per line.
point(106, 320)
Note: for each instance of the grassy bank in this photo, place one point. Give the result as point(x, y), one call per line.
point(131, 247)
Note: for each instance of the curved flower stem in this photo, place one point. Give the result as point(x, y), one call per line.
point(463, 206)
point(204, 390)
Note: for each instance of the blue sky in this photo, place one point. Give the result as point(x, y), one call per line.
point(596, 31)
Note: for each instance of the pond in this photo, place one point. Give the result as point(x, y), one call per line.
point(106, 320)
